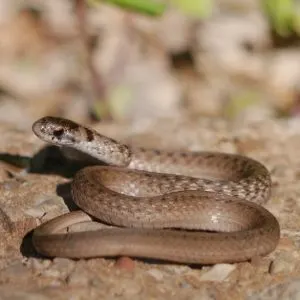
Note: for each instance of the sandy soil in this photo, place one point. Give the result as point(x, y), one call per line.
point(31, 195)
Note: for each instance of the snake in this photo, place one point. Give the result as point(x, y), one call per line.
point(174, 206)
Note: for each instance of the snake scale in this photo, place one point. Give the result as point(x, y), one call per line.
point(186, 207)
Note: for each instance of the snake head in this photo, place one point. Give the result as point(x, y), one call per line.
point(66, 133)
point(56, 131)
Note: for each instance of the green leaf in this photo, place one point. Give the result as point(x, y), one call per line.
point(149, 7)
point(296, 19)
point(194, 8)
point(240, 102)
point(281, 14)
point(120, 101)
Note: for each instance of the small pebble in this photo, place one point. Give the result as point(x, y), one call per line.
point(79, 277)
point(285, 262)
point(125, 263)
point(157, 274)
point(127, 288)
point(60, 268)
point(38, 265)
point(218, 272)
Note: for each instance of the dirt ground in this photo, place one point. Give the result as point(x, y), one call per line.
point(30, 196)
point(221, 82)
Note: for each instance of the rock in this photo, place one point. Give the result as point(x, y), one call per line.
point(285, 262)
point(218, 272)
point(125, 263)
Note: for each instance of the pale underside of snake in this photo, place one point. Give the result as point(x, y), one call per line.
point(187, 207)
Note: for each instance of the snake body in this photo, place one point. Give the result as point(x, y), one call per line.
point(188, 207)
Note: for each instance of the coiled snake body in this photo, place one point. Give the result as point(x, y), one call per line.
point(159, 201)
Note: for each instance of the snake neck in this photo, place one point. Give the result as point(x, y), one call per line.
point(103, 148)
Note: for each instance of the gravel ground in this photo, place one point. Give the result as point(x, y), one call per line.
point(224, 83)
point(31, 195)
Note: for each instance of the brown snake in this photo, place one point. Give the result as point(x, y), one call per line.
point(165, 198)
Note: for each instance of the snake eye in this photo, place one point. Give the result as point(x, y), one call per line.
point(58, 133)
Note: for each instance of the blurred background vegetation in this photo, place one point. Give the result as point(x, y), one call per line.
point(139, 61)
